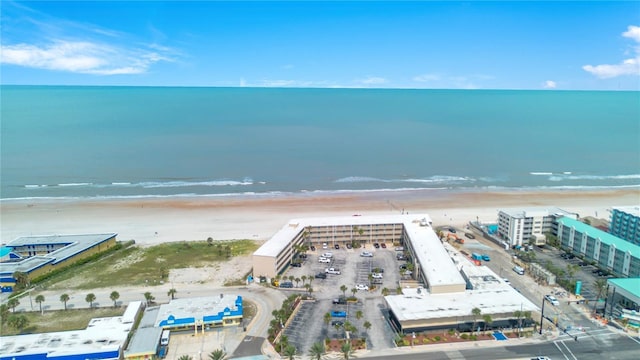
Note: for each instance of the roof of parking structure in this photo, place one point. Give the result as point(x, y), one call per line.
point(417, 304)
point(291, 229)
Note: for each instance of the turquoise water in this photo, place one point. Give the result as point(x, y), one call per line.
point(142, 141)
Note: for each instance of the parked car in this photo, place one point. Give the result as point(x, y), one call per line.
point(376, 275)
point(327, 255)
point(321, 275)
point(313, 248)
point(469, 235)
point(506, 281)
point(540, 358)
point(486, 257)
point(324, 260)
point(401, 257)
point(362, 287)
point(340, 301)
point(452, 230)
point(376, 245)
point(332, 271)
point(296, 263)
point(400, 248)
point(337, 313)
point(349, 246)
point(383, 245)
point(366, 254)
point(337, 323)
point(325, 246)
point(518, 270)
point(287, 284)
point(336, 246)
point(552, 299)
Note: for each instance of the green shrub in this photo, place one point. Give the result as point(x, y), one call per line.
point(425, 340)
point(474, 337)
point(464, 336)
point(437, 338)
point(451, 332)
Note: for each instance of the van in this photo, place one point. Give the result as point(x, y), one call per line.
point(518, 270)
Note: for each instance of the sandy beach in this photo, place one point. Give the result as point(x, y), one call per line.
point(153, 220)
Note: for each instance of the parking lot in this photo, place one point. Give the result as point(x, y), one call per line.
point(308, 326)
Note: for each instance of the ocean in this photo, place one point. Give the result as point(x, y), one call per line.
point(112, 142)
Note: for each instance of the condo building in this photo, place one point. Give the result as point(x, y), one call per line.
point(528, 226)
point(625, 223)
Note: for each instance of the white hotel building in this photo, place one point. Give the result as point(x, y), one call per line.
point(520, 227)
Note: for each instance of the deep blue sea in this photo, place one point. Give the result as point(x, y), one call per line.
point(73, 141)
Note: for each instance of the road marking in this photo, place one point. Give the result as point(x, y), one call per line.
point(454, 355)
point(632, 338)
point(567, 348)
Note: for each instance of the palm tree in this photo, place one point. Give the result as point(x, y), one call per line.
point(40, 300)
point(327, 318)
point(297, 280)
point(90, 298)
point(359, 314)
point(22, 279)
point(385, 291)
point(518, 315)
point(399, 290)
point(354, 291)
point(64, 298)
point(149, 298)
point(601, 286)
point(185, 357)
point(343, 288)
point(367, 325)
point(317, 351)
point(346, 350)
point(172, 292)
point(114, 296)
point(304, 279)
point(13, 304)
point(290, 352)
point(291, 278)
point(476, 313)
point(487, 321)
point(217, 354)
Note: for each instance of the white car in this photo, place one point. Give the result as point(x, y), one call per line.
point(332, 271)
point(366, 254)
point(325, 246)
point(362, 287)
point(324, 260)
point(327, 255)
point(376, 275)
point(552, 299)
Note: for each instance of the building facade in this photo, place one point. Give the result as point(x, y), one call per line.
point(618, 256)
point(625, 223)
point(528, 226)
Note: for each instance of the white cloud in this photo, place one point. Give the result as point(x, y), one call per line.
point(427, 78)
point(625, 67)
point(372, 80)
point(81, 57)
point(550, 84)
point(633, 32)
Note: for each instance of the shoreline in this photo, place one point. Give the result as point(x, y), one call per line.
point(163, 219)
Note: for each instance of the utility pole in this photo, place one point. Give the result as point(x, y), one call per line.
point(541, 316)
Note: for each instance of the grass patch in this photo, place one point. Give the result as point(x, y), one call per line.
point(150, 265)
point(61, 320)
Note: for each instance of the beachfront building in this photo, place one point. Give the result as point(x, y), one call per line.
point(521, 227)
point(36, 256)
point(625, 300)
point(618, 256)
point(625, 223)
point(103, 338)
point(449, 285)
point(273, 257)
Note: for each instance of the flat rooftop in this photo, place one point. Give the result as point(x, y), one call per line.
point(196, 308)
point(631, 210)
point(73, 244)
point(435, 263)
point(522, 213)
point(291, 229)
point(418, 304)
point(144, 341)
point(101, 335)
point(629, 287)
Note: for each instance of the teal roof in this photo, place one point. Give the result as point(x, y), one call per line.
point(631, 285)
point(4, 251)
point(605, 237)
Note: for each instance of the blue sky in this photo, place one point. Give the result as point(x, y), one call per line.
point(457, 45)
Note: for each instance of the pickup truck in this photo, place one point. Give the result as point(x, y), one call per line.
point(333, 271)
point(475, 256)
